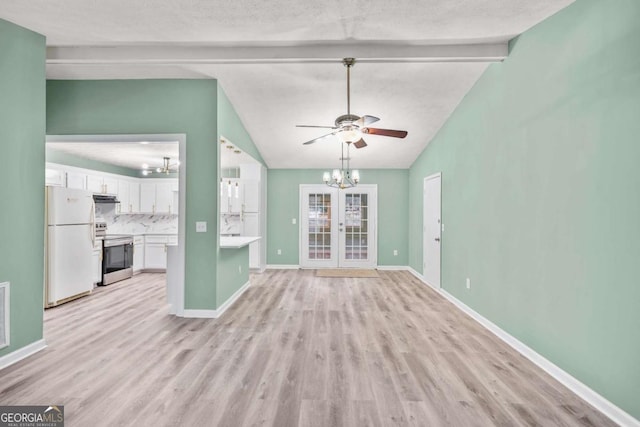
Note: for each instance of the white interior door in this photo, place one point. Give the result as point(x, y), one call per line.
point(338, 228)
point(432, 229)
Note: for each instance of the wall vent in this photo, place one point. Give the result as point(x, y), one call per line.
point(4, 314)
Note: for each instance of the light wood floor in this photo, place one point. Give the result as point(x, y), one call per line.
point(295, 350)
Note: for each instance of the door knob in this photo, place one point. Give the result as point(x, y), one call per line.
point(437, 239)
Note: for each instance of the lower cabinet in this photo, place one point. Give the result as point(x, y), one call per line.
point(155, 251)
point(138, 253)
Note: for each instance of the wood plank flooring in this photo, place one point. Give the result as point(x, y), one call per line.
point(294, 350)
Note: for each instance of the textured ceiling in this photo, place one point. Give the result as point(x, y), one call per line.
point(126, 154)
point(271, 96)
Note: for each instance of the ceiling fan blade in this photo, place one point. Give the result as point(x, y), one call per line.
point(313, 126)
point(385, 132)
point(360, 143)
point(365, 120)
point(318, 138)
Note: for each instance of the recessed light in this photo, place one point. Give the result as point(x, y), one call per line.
point(144, 142)
point(145, 166)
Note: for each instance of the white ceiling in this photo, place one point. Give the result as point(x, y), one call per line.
point(130, 155)
point(280, 61)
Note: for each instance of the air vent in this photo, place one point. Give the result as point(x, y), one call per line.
point(4, 314)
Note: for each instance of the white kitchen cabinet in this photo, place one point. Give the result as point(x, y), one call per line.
point(100, 184)
point(123, 197)
point(158, 196)
point(251, 227)
point(97, 261)
point(54, 177)
point(95, 184)
point(138, 253)
point(251, 192)
point(155, 256)
point(147, 197)
point(155, 252)
point(134, 197)
point(164, 197)
point(129, 197)
point(76, 180)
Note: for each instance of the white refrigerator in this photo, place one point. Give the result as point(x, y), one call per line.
point(70, 240)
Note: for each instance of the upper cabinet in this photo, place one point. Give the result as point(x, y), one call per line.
point(159, 196)
point(100, 184)
point(54, 177)
point(136, 195)
point(76, 180)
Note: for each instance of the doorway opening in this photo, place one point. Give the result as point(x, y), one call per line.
point(148, 207)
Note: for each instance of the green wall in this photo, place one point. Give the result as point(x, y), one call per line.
point(283, 191)
point(83, 107)
point(540, 195)
point(230, 126)
point(230, 279)
point(233, 272)
point(22, 134)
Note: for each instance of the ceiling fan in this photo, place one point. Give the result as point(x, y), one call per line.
point(167, 167)
point(349, 127)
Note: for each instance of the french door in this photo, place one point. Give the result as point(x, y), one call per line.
point(338, 228)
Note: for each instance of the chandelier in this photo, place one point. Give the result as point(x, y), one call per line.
point(342, 178)
point(167, 167)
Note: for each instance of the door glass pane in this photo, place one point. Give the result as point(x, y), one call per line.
point(356, 227)
point(319, 226)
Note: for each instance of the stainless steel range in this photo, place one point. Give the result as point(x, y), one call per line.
point(117, 259)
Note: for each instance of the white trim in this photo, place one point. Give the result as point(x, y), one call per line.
point(7, 315)
point(229, 302)
point(22, 353)
point(393, 267)
point(213, 314)
point(283, 267)
point(603, 405)
point(198, 314)
point(260, 53)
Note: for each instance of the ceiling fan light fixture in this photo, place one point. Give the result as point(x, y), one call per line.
point(350, 134)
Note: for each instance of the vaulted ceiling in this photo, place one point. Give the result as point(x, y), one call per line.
point(279, 62)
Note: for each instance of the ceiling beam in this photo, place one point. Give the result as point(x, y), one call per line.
point(325, 52)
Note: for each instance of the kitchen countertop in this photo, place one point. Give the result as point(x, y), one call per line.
point(235, 242)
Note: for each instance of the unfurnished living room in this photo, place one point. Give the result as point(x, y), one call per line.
point(250, 213)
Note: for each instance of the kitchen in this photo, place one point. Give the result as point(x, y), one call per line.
point(135, 194)
point(112, 212)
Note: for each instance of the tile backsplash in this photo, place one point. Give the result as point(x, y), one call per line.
point(137, 223)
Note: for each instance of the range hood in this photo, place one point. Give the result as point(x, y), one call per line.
point(105, 198)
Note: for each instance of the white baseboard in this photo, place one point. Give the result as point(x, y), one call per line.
point(282, 267)
point(615, 413)
point(213, 314)
point(232, 299)
point(393, 267)
point(198, 314)
point(21, 353)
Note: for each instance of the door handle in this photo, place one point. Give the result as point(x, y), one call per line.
point(437, 239)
